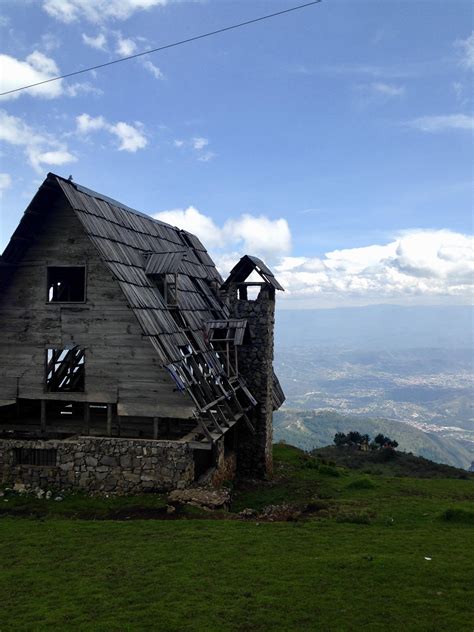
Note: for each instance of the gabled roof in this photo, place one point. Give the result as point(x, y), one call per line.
point(244, 268)
point(135, 247)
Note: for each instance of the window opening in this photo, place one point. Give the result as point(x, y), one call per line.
point(66, 284)
point(35, 457)
point(167, 285)
point(65, 370)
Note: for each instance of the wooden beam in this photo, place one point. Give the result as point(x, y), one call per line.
point(109, 419)
point(43, 416)
point(87, 417)
point(155, 427)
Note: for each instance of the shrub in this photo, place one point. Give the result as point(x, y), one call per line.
point(328, 470)
point(458, 515)
point(362, 483)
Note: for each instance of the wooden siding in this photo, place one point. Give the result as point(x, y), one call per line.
point(121, 365)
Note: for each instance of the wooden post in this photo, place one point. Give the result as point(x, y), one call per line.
point(43, 416)
point(87, 417)
point(155, 427)
point(109, 419)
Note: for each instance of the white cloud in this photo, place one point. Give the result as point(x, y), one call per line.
point(417, 263)
point(199, 142)
point(5, 183)
point(76, 89)
point(97, 11)
point(443, 123)
point(37, 67)
point(195, 222)
point(40, 148)
point(152, 69)
point(86, 123)
point(257, 235)
point(99, 42)
point(130, 137)
point(125, 47)
point(178, 143)
point(466, 49)
point(387, 89)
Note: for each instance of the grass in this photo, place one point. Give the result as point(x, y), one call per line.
point(357, 559)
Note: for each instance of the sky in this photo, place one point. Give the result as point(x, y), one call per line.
point(335, 142)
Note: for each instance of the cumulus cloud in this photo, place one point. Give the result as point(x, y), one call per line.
point(5, 183)
point(416, 263)
point(130, 137)
point(443, 123)
point(35, 68)
point(257, 235)
point(99, 42)
point(125, 46)
point(97, 11)
point(40, 148)
point(466, 51)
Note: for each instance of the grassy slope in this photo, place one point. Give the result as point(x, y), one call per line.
point(357, 563)
point(317, 428)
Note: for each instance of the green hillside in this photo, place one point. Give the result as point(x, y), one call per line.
point(309, 429)
point(320, 547)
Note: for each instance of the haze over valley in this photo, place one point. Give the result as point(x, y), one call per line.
point(409, 366)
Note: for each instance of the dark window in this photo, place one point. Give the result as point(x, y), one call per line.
point(166, 284)
point(33, 456)
point(66, 284)
point(65, 370)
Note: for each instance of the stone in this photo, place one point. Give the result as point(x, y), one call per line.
point(201, 497)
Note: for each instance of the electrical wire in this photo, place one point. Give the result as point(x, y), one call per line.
point(160, 48)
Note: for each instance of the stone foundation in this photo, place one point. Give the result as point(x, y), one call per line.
point(106, 465)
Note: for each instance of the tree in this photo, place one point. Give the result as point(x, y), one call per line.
point(340, 439)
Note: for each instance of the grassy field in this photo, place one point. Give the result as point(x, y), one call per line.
point(354, 559)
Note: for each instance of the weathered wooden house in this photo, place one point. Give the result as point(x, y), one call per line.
point(126, 362)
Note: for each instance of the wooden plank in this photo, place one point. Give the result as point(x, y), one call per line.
point(109, 419)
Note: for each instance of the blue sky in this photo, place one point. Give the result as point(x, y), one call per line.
point(335, 141)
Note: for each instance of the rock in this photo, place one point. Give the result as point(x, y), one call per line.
point(20, 488)
point(170, 509)
point(59, 498)
point(247, 513)
point(201, 497)
point(48, 495)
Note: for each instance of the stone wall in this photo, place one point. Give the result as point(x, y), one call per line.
point(254, 452)
point(95, 464)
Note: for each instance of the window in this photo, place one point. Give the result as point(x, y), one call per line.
point(65, 370)
point(167, 285)
point(66, 284)
point(34, 456)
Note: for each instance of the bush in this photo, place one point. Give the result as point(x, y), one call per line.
point(328, 470)
point(453, 514)
point(362, 483)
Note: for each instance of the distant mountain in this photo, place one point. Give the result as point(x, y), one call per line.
point(313, 429)
point(377, 327)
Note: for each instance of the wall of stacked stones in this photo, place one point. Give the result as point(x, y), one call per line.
point(254, 452)
point(104, 465)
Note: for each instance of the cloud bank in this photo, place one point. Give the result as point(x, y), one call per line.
point(414, 266)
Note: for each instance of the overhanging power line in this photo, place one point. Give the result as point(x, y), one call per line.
point(160, 48)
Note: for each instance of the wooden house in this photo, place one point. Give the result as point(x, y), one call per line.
point(126, 362)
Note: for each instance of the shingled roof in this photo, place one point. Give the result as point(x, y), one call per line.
point(135, 248)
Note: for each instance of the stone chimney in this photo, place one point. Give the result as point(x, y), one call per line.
point(255, 357)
